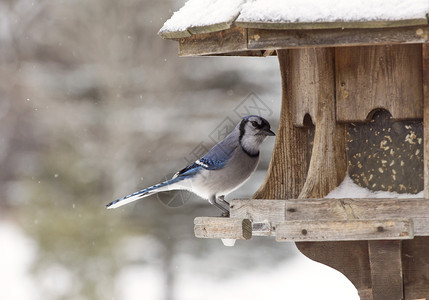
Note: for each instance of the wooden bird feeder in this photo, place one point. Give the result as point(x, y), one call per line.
point(355, 98)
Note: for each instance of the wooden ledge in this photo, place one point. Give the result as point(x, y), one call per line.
point(320, 220)
point(350, 230)
point(223, 228)
point(305, 231)
point(274, 212)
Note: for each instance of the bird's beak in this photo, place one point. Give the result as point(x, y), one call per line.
point(268, 132)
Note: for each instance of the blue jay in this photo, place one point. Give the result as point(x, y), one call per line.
point(222, 170)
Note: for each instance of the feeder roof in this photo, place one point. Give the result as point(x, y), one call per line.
point(205, 16)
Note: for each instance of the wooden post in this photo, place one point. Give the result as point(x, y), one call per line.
point(288, 165)
point(425, 84)
point(386, 270)
point(328, 160)
point(415, 254)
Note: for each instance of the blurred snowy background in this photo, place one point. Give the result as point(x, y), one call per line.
point(93, 106)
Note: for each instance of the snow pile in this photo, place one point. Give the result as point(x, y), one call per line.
point(198, 13)
point(348, 189)
point(332, 10)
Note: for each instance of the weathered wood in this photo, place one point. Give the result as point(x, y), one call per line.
point(374, 77)
point(230, 40)
point(261, 228)
point(223, 228)
point(425, 92)
point(174, 34)
point(415, 254)
point(250, 53)
point(327, 166)
point(386, 270)
point(285, 39)
point(234, 41)
point(333, 25)
point(415, 259)
point(276, 211)
point(259, 210)
point(304, 84)
point(348, 257)
point(288, 165)
point(365, 294)
point(350, 230)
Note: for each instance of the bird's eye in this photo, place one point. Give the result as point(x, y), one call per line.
point(254, 124)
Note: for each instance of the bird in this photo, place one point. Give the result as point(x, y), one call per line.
point(225, 167)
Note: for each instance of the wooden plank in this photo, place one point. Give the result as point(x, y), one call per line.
point(250, 53)
point(222, 228)
point(303, 85)
point(285, 39)
point(259, 210)
point(327, 166)
point(333, 25)
point(230, 40)
point(174, 34)
point(261, 228)
point(369, 78)
point(288, 166)
point(349, 230)
point(276, 211)
point(386, 270)
point(365, 294)
point(425, 91)
point(415, 259)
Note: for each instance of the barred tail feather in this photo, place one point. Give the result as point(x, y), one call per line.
point(168, 185)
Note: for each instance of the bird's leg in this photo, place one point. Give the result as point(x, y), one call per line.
point(222, 200)
point(212, 201)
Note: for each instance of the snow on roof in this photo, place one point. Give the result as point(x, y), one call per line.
point(201, 13)
point(332, 10)
point(216, 15)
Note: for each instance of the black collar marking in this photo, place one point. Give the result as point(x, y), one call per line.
point(241, 128)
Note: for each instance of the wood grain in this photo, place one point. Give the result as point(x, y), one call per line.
point(374, 77)
point(386, 269)
point(230, 40)
point(415, 259)
point(425, 92)
point(327, 166)
point(288, 166)
point(286, 39)
point(276, 211)
point(349, 230)
point(415, 254)
point(304, 84)
point(222, 228)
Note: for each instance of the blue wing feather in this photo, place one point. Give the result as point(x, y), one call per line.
point(215, 159)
